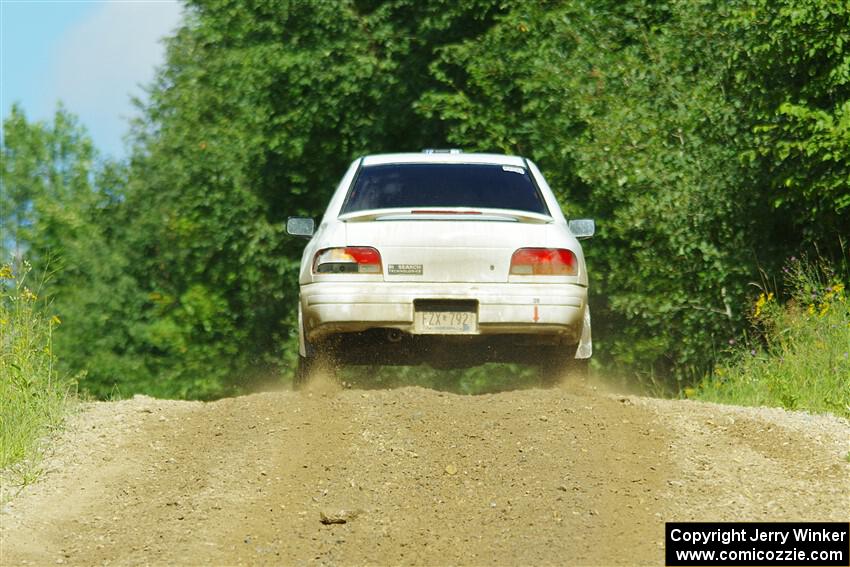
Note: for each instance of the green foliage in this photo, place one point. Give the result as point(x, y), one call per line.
point(792, 73)
point(33, 393)
point(65, 212)
point(801, 359)
point(41, 165)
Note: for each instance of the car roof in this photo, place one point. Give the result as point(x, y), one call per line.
point(442, 157)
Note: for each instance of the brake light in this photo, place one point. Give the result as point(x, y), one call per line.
point(543, 262)
point(348, 260)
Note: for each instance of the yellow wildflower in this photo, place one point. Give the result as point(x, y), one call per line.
point(762, 301)
point(823, 310)
point(56, 320)
point(28, 295)
point(6, 272)
point(811, 309)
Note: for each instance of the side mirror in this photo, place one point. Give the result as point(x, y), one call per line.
point(582, 228)
point(300, 226)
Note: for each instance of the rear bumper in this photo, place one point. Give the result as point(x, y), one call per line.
point(330, 308)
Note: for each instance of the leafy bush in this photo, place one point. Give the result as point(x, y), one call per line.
point(799, 357)
point(33, 395)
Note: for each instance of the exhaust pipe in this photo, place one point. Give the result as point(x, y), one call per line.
point(394, 335)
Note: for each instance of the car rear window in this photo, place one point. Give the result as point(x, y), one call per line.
point(444, 185)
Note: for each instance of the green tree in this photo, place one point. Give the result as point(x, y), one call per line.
point(62, 209)
point(791, 71)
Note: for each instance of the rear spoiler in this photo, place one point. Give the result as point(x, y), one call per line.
point(446, 213)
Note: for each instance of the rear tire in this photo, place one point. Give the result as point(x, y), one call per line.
point(306, 365)
point(303, 370)
point(557, 367)
point(578, 368)
point(320, 357)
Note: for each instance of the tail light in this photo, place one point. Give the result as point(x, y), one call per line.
point(348, 260)
point(543, 262)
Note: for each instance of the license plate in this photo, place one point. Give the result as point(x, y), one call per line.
point(446, 322)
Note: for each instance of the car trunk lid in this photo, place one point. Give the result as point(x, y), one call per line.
point(441, 247)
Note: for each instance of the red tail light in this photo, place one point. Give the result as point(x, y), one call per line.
point(348, 260)
point(543, 262)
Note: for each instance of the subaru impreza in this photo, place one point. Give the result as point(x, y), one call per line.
point(446, 258)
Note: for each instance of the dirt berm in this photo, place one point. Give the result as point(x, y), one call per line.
point(566, 476)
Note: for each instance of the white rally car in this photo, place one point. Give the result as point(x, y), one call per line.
point(447, 258)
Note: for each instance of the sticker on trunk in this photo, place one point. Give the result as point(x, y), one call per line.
point(405, 269)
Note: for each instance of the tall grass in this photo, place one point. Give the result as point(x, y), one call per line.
point(33, 395)
point(799, 354)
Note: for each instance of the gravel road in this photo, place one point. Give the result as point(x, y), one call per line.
point(329, 476)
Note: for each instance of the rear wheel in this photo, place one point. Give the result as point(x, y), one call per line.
point(557, 366)
point(578, 368)
point(306, 365)
point(320, 357)
point(303, 369)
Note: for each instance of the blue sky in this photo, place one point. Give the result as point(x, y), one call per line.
point(92, 55)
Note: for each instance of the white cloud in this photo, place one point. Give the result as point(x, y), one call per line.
point(104, 59)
